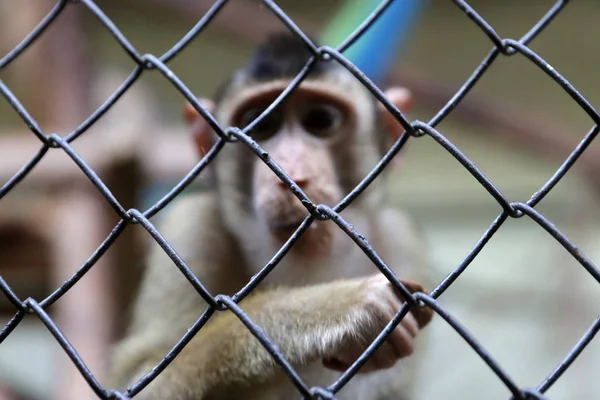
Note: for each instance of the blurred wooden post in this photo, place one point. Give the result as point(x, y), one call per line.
point(53, 82)
point(84, 313)
point(27, 71)
point(51, 73)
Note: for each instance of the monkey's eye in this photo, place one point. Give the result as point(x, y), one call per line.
point(322, 119)
point(266, 128)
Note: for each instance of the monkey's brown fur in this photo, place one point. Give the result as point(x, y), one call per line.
point(325, 302)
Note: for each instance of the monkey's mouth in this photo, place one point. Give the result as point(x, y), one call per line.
point(285, 227)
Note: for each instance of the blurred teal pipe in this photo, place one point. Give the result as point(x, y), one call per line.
point(377, 49)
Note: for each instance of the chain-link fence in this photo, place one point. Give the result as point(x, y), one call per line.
point(413, 130)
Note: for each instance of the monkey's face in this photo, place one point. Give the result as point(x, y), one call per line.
point(327, 136)
point(302, 136)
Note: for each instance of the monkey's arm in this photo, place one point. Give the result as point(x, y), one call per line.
point(333, 322)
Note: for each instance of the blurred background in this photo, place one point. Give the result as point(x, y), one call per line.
point(524, 297)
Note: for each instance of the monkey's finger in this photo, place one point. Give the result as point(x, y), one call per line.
point(384, 357)
point(422, 315)
point(409, 322)
point(335, 364)
point(413, 286)
point(401, 341)
point(374, 362)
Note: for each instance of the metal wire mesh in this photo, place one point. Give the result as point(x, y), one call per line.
point(416, 129)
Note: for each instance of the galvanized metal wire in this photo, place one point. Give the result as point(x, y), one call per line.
point(413, 130)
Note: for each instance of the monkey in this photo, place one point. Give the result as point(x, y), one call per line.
point(325, 302)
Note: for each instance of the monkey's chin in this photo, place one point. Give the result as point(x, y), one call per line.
point(283, 230)
point(315, 242)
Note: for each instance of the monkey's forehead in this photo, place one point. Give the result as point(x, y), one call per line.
point(341, 86)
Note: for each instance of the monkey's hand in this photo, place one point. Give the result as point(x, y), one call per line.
point(377, 303)
point(332, 322)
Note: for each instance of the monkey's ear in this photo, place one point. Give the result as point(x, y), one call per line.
point(201, 131)
point(402, 99)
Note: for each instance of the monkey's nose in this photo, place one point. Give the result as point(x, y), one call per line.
point(301, 182)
